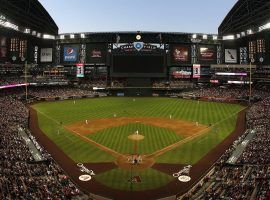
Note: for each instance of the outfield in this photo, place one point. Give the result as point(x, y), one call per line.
point(55, 117)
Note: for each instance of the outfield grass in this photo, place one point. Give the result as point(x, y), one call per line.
point(50, 115)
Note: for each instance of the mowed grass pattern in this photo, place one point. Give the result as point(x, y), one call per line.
point(119, 179)
point(52, 113)
point(116, 138)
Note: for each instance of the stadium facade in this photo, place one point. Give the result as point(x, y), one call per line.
point(28, 33)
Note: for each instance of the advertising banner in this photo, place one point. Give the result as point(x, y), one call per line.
point(196, 71)
point(46, 55)
point(80, 70)
point(207, 53)
point(96, 53)
point(3, 47)
point(180, 53)
point(3, 41)
point(70, 54)
point(230, 56)
point(3, 52)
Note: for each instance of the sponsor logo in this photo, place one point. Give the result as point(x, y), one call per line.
point(70, 54)
point(135, 179)
point(183, 175)
point(184, 178)
point(85, 177)
point(86, 170)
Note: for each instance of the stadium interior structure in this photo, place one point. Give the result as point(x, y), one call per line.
point(36, 62)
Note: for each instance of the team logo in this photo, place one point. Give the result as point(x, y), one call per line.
point(138, 45)
point(70, 51)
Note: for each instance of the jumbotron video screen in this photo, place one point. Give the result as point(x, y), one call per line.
point(138, 65)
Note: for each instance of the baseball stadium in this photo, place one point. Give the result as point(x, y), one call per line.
point(134, 115)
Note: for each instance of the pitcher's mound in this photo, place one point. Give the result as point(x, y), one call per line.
point(136, 137)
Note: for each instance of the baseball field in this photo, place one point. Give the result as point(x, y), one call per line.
point(165, 131)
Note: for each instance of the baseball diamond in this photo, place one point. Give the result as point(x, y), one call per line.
point(173, 132)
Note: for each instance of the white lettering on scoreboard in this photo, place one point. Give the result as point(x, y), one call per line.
point(46, 55)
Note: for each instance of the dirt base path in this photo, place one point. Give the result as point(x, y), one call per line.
point(189, 130)
point(180, 127)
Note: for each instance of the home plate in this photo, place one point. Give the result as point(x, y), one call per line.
point(184, 178)
point(85, 177)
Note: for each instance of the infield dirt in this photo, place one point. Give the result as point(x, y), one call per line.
point(189, 130)
point(180, 127)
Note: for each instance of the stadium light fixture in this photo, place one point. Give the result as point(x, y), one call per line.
point(215, 37)
point(238, 35)
point(249, 32)
point(27, 30)
point(62, 37)
point(39, 35)
point(34, 33)
point(82, 35)
point(46, 36)
point(243, 34)
point(194, 36)
point(228, 37)
point(72, 36)
point(263, 27)
point(205, 37)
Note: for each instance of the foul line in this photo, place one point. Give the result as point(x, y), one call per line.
point(177, 144)
point(104, 148)
point(152, 155)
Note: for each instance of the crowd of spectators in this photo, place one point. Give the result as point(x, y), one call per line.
point(20, 176)
point(11, 80)
point(249, 177)
point(226, 93)
point(58, 91)
point(23, 178)
point(258, 119)
point(172, 84)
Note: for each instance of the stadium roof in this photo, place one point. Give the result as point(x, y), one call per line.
point(245, 15)
point(30, 14)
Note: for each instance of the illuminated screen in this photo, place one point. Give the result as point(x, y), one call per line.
point(131, 65)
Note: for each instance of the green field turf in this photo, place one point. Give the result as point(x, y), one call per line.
point(50, 114)
point(114, 138)
point(221, 116)
point(119, 179)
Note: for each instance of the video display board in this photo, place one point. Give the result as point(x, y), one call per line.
point(80, 70)
point(180, 54)
point(196, 71)
point(96, 53)
point(230, 56)
point(138, 65)
point(46, 55)
point(207, 53)
point(3, 47)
